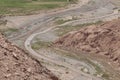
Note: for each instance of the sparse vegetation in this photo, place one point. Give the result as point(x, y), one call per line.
point(3, 22)
point(8, 31)
point(13, 7)
point(73, 1)
point(99, 70)
point(65, 29)
point(61, 21)
point(40, 44)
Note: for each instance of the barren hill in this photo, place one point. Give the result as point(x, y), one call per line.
point(15, 64)
point(103, 39)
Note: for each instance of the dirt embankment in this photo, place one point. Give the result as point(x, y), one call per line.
point(15, 64)
point(103, 39)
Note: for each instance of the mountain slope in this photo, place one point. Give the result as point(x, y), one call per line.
point(103, 39)
point(15, 64)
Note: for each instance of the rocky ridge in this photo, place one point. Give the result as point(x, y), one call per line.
point(16, 64)
point(103, 39)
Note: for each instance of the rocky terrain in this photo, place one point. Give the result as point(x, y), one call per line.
point(15, 64)
point(103, 39)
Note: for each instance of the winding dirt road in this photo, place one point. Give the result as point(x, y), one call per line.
point(43, 19)
point(46, 18)
point(35, 54)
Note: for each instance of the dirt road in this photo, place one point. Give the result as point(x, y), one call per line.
point(35, 54)
point(87, 8)
point(30, 28)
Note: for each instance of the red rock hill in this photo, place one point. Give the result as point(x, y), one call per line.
point(15, 64)
point(103, 39)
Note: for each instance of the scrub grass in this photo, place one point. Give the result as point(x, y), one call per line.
point(8, 31)
point(62, 30)
point(40, 44)
point(13, 7)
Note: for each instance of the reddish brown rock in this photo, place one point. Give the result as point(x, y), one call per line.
point(15, 64)
point(103, 39)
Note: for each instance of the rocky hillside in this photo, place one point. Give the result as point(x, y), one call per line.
point(15, 64)
point(103, 39)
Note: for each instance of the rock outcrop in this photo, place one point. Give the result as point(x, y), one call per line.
point(15, 64)
point(103, 39)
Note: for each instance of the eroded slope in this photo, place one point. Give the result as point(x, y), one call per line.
point(103, 39)
point(15, 64)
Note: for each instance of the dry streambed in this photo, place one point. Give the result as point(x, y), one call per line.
point(81, 64)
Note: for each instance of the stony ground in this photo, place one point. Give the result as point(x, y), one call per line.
point(103, 39)
point(15, 64)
